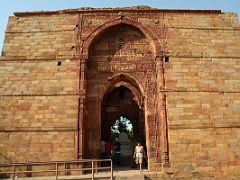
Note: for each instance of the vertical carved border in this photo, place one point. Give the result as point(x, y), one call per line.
point(79, 151)
point(164, 148)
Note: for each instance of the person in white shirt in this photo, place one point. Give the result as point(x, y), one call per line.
point(139, 154)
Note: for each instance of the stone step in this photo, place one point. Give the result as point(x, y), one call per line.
point(119, 174)
point(130, 177)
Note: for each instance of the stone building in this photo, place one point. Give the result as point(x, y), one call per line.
point(67, 75)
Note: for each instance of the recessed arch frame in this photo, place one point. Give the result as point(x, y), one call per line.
point(127, 81)
point(158, 53)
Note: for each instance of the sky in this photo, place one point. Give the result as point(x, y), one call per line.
point(8, 7)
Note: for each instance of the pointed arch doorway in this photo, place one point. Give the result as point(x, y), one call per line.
point(121, 55)
point(121, 105)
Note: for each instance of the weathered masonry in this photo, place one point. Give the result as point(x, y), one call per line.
point(66, 75)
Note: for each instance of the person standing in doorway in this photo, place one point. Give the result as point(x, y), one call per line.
point(108, 149)
point(139, 154)
point(117, 152)
point(103, 151)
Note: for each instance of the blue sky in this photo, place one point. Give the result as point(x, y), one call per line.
point(9, 6)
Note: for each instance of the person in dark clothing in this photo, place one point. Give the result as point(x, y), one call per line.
point(117, 152)
point(103, 152)
point(108, 148)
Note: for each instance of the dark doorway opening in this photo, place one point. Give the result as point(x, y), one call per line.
point(123, 118)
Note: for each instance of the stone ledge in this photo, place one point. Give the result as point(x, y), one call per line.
point(202, 126)
point(36, 129)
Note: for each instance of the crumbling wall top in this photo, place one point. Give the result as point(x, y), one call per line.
point(124, 9)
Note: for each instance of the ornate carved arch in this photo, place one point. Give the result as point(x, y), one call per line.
point(154, 41)
point(126, 81)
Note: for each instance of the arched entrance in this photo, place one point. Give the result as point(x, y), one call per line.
point(121, 62)
point(118, 58)
point(118, 103)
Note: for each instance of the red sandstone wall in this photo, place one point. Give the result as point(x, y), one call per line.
point(38, 104)
point(203, 115)
point(40, 37)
